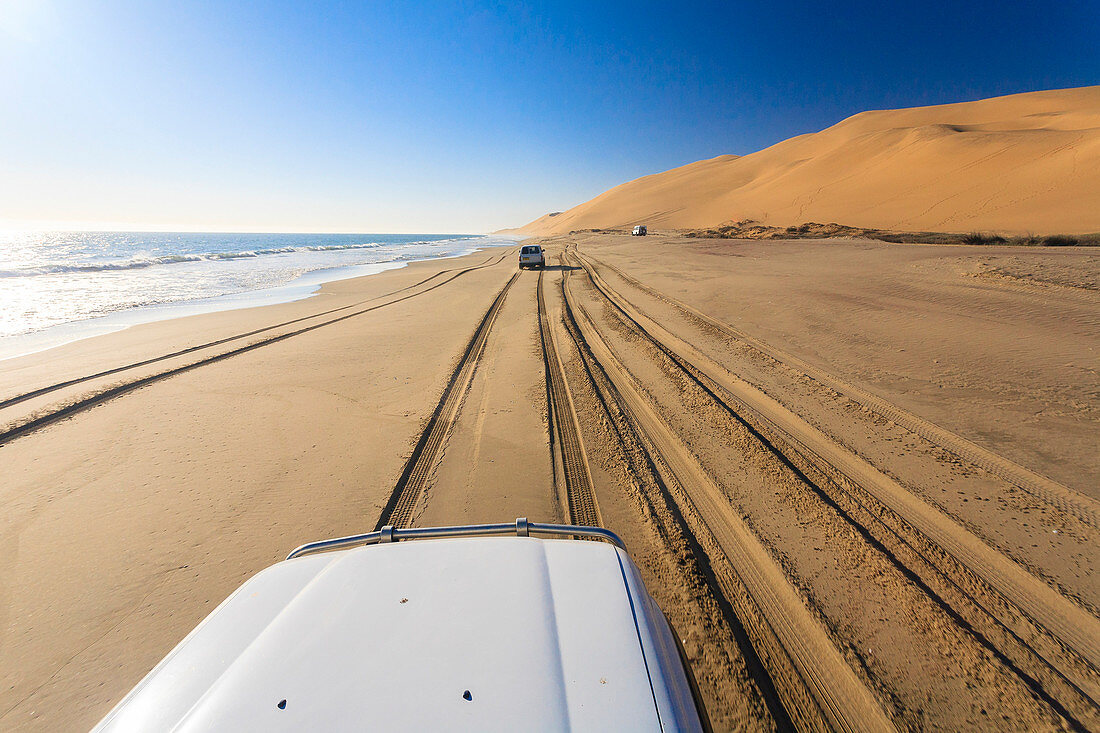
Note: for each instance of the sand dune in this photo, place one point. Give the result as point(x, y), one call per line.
point(1016, 164)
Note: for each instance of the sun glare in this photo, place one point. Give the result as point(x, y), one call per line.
point(22, 19)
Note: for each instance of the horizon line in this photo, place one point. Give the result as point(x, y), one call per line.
point(6, 228)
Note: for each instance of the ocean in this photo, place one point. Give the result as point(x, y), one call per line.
point(56, 287)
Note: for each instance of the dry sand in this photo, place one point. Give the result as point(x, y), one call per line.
point(859, 477)
point(1026, 163)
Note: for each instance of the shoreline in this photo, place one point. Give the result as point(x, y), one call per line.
point(303, 287)
point(137, 342)
point(189, 484)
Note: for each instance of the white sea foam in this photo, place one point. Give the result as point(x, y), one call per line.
point(65, 283)
point(139, 262)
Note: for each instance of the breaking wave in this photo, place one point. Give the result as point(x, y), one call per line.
point(61, 279)
point(142, 261)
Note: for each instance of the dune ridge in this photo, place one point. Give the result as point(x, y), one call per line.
point(1024, 163)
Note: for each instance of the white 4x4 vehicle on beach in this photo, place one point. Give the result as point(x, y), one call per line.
point(531, 255)
point(460, 630)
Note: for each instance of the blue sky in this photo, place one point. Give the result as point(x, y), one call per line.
point(459, 117)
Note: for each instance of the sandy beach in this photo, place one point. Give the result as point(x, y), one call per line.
point(888, 449)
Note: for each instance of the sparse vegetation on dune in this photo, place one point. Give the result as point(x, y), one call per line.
point(749, 229)
point(982, 238)
point(1062, 240)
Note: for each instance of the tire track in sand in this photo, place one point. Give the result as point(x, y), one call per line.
point(1052, 492)
point(1073, 628)
point(842, 700)
point(400, 507)
point(580, 496)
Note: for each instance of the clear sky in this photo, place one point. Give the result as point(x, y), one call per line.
point(459, 116)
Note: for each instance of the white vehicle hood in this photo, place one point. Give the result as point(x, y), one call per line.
point(541, 634)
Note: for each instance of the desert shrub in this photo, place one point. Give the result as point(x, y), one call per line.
point(982, 238)
point(1059, 240)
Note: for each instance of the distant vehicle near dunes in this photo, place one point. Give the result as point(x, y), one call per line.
point(531, 256)
point(639, 231)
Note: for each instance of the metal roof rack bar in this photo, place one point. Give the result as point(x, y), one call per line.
point(520, 528)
